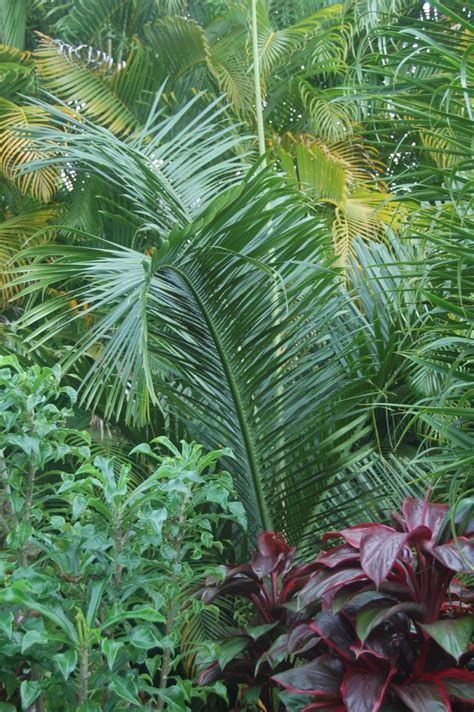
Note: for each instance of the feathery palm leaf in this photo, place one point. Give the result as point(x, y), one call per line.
point(17, 150)
point(15, 233)
point(63, 72)
point(13, 15)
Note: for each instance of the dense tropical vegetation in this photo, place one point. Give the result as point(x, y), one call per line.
point(247, 225)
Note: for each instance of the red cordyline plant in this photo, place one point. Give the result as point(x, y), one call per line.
point(379, 623)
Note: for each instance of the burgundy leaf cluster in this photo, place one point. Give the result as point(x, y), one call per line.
point(380, 622)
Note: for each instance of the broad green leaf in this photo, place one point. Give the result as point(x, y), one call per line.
point(66, 662)
point(125, 688)
point(452, 635)
point(229, 649)
point(6, 620)
point(110, 649)
point(143, 637)
point(139, 614)
point(33, 637)
point(257, 631)
point(29, 692)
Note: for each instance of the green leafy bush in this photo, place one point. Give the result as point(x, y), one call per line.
point(98, 571)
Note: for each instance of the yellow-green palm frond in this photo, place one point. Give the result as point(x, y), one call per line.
point(16, 71)
point(345, 176)
point(277, 46)
point(365, 215)
point(320, 174)
point(441, 145)
point(17, 150)
point(83, 83)
point(15, 233)
point(332, 120)
point(227, 64)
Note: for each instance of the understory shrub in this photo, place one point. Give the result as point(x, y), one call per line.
point(98, 571)
point(380, 622)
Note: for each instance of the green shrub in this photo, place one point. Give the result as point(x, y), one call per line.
point(98, 571)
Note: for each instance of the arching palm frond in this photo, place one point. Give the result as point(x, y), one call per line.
point(277, 46)
point(17, 150)
point(171, 32)
point(86, 89)
point(108, 21)
point(15, 234)
point(231, 324)
point(343, 175)
point(16, 71)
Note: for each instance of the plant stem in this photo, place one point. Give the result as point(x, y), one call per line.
point(5, 478)
point(84, 674)
point(30, 485)
point(118, 548)
point(37, 674)
point(257, 83)
point(172, 610)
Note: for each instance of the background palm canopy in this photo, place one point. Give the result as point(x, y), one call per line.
point(315, 314)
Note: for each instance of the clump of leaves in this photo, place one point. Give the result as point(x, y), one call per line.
point(380, 624)
point(97, 571)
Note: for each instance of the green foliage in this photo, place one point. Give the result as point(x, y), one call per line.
point(98, 575)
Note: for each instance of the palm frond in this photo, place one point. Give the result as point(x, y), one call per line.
point(171, 32)
point(341, 174)
point(277, 46)
point(15, 234)
point(87, 90)
point(13, 15)
point(16, 71)
point(174, 168)
point(17, 150)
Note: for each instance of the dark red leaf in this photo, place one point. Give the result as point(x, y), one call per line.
point(272, 553)
point(233, 586)
point(210, 675)
point(336, 632)
point(418, 512)
point(338, 555)
point(325, 581)
point(322, 676)
point(423, 697)
point(364, 692)
point(380, 548)
point(299, 639)
point(352, 535)
point(324, 707)
point(272, 544)
point(457, 555)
